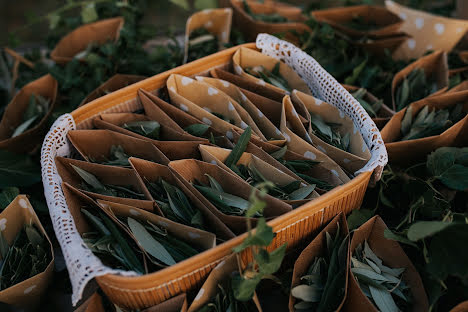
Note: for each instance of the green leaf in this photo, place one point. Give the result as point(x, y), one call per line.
point(399, 238)
point(307, 293)
point(244, 289)
point(205, 4)
point(7, 196)
point(149, 244)
point(17, 170)
point(407, 121)
point(88, 13)
point(456, 177)
point(3, 247)
point(371, 274)
point(184, 4)
point(423, 229)
point(358, 218)
point(302, 192)
point(239, 149)
point(197, 129)
point(228, 199)
point(383, 299)
point(262, 236)
point(447, 252)
point(214, 184)
point(89, 178)
point(270, 262)
point(279, 154)
point(96, 222)
point(23, 127)
point(148, 128)
point(54, 20)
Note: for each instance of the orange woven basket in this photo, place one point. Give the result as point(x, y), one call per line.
point(293, 228)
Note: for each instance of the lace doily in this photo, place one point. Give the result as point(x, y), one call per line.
point(82, 264)
point(326, 88)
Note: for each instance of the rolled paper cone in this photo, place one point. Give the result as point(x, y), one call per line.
point(79, 39)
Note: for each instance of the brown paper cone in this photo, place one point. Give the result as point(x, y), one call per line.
point(77, 200)
point(393, 256)
point(216, 21)
point(95, 145)
point(199, 99)
point(456, 135)
point(175, 304)
point(462, 307)
point(317, 248)
point(149, 171)
point(78, 40)
point(255, 118)
point(93, 304)
point(387, 23)
point(218, 156)
point(116, 82)
point(27, 294)
point(217, 276)
point(190, 170)
point(115, 121)
point(262, 150)
point(251, 27)
point(299, 145)
point(245, 57)
point(359, 153)
point(385, 112)
point(46, 86)
point(108, 175)
point(461, 87)
point(156, 107)
point(195, 237)
point(246, 84)
point(434, 65)
point(380, 47)
point(428, 32)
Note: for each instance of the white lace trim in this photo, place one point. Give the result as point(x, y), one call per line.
point(326, 88)
point(82, 264)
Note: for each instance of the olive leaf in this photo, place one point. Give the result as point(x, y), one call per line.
point(117, 157)
point(429, 122)
point(148, 128)
point(274, 77)
point(380, 283)
point(322, 288)
point(148, 243)
point(36, 110)
point(197, 130)
point(239, 148)
point(329, 132)
point(414, 87)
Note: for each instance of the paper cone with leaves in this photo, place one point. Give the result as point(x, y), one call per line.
point(162, 184)
point(206, 103)
point(361, 20)
point(26, 254)
point(110, 183)
point(293, 164)
point(175, 304)
point(142, 127)
point(299, 144)
point(428, 32)
point(268, 71)
point(425, 76)
point(255, 118)
point(114, 83)
point(329, 284)
point(157, 108)
point(426, 125)
point(246, 84)
point(81, 38)
point(113, 148)
point(25, 119)
point(193, 172)
point(217, 287)
point(332, 132)
point(214, 22)
point(218, 156)
point(254, 18)
point(387, 256)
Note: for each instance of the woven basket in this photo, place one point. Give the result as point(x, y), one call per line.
point(299, 225)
